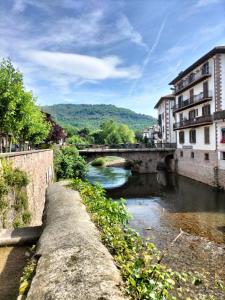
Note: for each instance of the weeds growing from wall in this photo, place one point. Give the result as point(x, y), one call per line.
point(13, 184)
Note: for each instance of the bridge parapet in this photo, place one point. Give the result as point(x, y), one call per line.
point(127, 146)
point(145, 160)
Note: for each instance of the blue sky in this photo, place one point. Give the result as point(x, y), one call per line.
point(122, 52)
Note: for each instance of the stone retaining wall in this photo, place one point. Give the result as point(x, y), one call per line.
point(198, 168)
point(38, 165)
point(73, 263)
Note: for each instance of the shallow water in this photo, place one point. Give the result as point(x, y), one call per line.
point(166, 203)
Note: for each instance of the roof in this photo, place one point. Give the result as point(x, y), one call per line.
point(170, 97)
point(216, 50)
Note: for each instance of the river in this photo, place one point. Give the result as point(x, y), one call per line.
point(163, 205)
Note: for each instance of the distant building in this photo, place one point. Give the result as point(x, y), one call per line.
point(165, 118)
point(199, 118)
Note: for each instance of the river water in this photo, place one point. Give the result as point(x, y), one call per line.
point(162, 206)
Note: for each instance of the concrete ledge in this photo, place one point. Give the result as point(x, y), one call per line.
point(19, 153)
point(73, 263)
point(20, 236)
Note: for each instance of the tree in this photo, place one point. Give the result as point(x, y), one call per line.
point(20, 119)
point(113, 133)
point(68, 163)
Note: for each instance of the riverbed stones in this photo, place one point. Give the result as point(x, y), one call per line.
point(73, 263)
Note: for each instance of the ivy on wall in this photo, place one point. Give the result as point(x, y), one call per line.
point(13, 184)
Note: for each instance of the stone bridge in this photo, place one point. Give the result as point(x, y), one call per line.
point(144, 160)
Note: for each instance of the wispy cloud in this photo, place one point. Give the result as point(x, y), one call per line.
point(82, 67)
point(151, 50)
point(202, 3)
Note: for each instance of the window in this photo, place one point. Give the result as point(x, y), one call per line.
point(206, 156)
point(160, 120)
point(192, 114)
point(222, 136)
point(181, 117)
point(205, 89)
point(206, 135)
point(192, 155)
point(180, 100)
point(191, 95)
point(191, 77)
point(181, 154)
point(222, 155)
point(206, 110)
point(181, 137)
point(205, 68)
point(192, 136)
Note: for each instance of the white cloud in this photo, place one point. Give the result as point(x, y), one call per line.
point(82, 67)
point(202, 3)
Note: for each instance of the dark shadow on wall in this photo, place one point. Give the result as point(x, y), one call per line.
point(12, 263)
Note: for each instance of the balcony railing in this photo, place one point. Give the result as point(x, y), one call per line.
point(193, 79)
point(198, 121)
point(219, 115)
point(197, 99)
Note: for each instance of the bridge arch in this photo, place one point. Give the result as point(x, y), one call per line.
point(142, 160)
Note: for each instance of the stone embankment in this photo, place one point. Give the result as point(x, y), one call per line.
point(73, 263)
point(38, 165)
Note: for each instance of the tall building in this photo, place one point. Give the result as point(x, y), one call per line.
point(199, 113)
point(165, 118)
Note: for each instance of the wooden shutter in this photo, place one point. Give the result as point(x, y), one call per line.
point(206, 135)
point(205, 89)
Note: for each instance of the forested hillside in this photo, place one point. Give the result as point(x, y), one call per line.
point(92, 115)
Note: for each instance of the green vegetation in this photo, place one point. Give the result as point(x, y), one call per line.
point(91, 116)
point(20, 120)
point(28, 273)
point(109, 132)
point(98, 162)
point(14, 182)
point(68, 163)
point(140, 264)
point(113, 133)
point(144, 275)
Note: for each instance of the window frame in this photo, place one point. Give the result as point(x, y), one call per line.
point(192, 138)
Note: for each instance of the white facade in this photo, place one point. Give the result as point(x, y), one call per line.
point(165, 118)
point(200, 96)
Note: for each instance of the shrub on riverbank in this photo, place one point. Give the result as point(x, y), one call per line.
point(98, 162)
point(139, 262)
point(68, 163)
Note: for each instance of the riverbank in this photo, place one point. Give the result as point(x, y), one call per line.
point(73, 263)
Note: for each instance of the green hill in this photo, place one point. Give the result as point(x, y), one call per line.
point(92, 115)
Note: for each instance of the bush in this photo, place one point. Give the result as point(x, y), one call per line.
point(68, 163)
point(98, 162)
point(144, 275)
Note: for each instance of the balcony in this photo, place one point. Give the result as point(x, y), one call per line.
point(192, 79)
point(198, 121)
point(219, 115)
point(197, 99)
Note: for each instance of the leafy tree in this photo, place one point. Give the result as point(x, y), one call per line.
point(68, 163)
point(20, 119)
point(75, 139)
point(113, 133)
point(70, 130)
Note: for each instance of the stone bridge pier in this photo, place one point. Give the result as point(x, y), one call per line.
point(140, 160)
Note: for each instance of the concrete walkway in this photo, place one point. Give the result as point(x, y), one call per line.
point(73, 262)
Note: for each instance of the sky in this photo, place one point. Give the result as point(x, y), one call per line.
point(121, 52)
